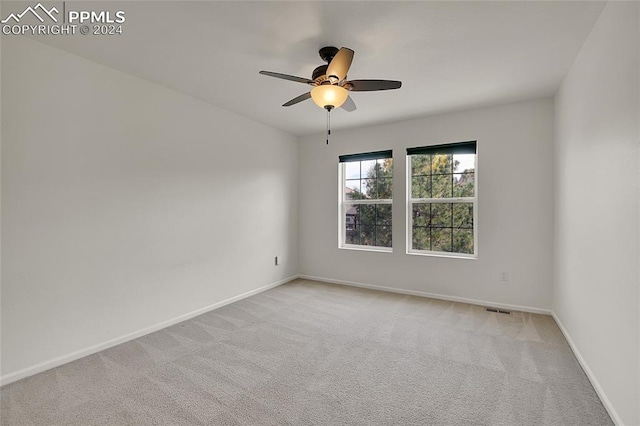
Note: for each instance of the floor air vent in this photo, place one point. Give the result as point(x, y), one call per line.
point(497, 311)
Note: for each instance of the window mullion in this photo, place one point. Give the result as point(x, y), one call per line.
point(451, 213)
point(369, 201)
point(444, 200)
point(430, 227)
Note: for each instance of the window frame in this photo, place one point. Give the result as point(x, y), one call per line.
point(342, 204)
point(410, 201)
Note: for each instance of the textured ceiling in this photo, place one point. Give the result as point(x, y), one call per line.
point(449, 55)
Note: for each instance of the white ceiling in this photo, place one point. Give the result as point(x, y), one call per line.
point(449, 55)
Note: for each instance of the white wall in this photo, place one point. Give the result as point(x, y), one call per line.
point(515, 212)
point(125, 204)
point(0, 199)
point(597, 281)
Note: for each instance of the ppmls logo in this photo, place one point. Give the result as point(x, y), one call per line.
point(49, 21)
point(33, 11)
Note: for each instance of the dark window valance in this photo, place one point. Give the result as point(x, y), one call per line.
point(448, 148)
point(366, 156)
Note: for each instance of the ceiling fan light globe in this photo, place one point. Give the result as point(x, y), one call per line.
point(329, 95)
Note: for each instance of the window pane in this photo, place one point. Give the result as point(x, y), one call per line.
point(377, 189)
point(384, 188)
point(421, 214)
point(463, 215)
point(385, 168)
point(351, 221)
point(367, 214)
point(441, 215)
point(367, 235)
point(463, 241)
point(352, 170)
point(352, 190)
point(368, 224)
point(434, 231)
point(441, 239)
point(420, 165)
point(352, 235)
point(464, 163)
point(463, 185)
point(441, 163)
point(421, 187)
point(383, 236)
point(442, 176)
point(421, 239)
point(441, 186)
point(368, 169)
point(383, 216)
point(369, 188)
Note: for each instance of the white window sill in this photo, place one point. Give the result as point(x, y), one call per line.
point(367, 248)
point(443, 254)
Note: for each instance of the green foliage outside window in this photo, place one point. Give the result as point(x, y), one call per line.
point(444, 227)
point(370, 224)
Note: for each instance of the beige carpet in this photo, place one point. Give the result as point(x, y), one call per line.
point(313, 353)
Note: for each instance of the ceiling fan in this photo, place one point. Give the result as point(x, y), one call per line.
point(330, 85)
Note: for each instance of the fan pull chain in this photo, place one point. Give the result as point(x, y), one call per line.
point(328, 124)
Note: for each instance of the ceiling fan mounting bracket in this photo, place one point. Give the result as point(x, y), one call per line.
point(328, 52)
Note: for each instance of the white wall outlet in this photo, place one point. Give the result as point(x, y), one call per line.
point(503, 276)
point(278, 260)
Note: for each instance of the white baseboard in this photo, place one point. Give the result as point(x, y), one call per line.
point(56, 362)
point(592, 378)
point(521, 308)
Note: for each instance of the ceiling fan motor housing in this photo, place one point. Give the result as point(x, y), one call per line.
point(328, 52)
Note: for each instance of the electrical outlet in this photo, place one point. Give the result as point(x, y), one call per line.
point(504, 276)
point(278, 260)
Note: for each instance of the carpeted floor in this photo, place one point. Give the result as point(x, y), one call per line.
point(313, 353)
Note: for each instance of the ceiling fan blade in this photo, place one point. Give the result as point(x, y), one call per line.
point(287, 77)
point(372, 85)
point(300, 98)
point(349, 105)
point(340, 64)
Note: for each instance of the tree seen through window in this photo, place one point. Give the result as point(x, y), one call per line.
point(438, 225)
point(368, 224)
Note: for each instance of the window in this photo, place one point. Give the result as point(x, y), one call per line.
point(442, 205)
point(366, 182)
